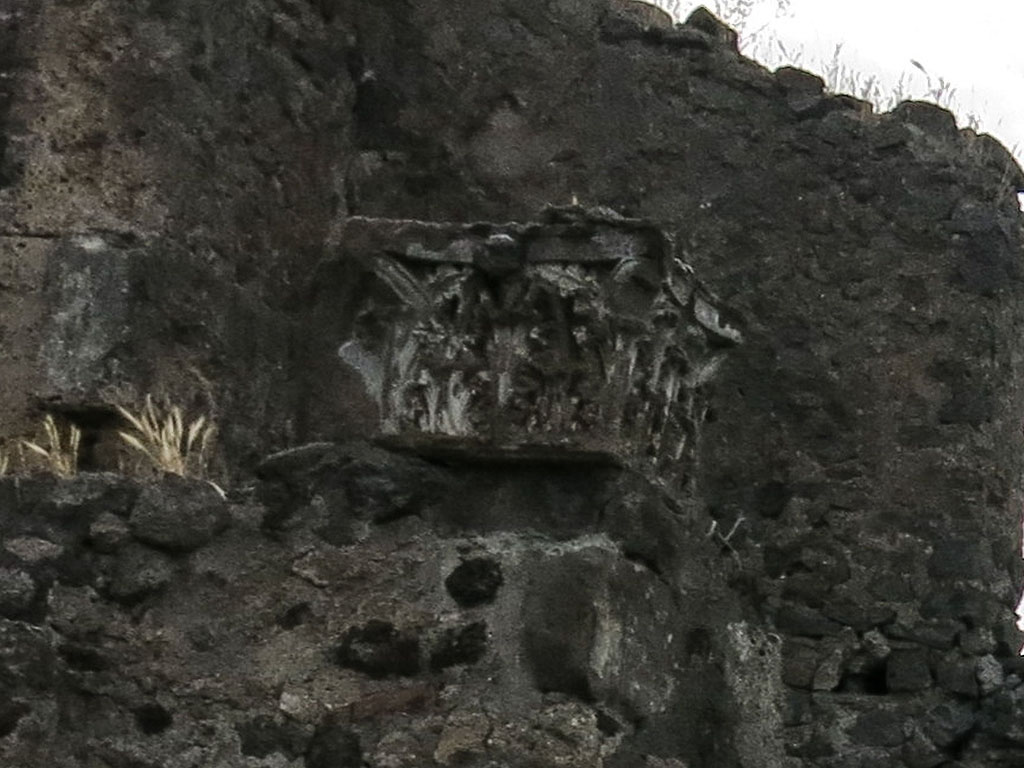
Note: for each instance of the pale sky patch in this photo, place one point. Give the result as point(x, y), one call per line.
point(974, 48)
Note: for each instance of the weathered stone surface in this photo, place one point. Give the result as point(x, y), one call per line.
point(263, 735)
point(333, 746)
point(934, 634)
point(17, 591)
point(178, 514)
point(138, 572)
point(379, 650)
point(805, 621)
point(465, 645)
point(474, 581)
point(642, 13)
point(32, 549)
point(989, 673)
point(560, 625)
point(70, 499)
point(907, 670)
point(920, 752)
point(947, 723)
point(957, 674)
point(878, 729)
point(978, 641)
point(800, 662)
point(152, 718)
point(108, 533)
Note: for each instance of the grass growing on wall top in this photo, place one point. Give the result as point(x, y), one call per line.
point(166, 441)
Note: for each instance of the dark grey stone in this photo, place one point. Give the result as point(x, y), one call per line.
point(956, 674)
point(109, 532)
point(152, 718)
point(334, 746)
point(880, 728)
point(792, 79)
point(805, 621)
point(139, 571)
point(262, 736)
point(17, 592)
point(11, 713)
point(474, 581)
point(940, 634)
point(861, 616)
point(907, 670)
point(178, 514)
point(989, 673)
point(929, 117)
point(378, 649)
point(558, 625)
point(465, 645)
point(946, 723)
point(799, 663)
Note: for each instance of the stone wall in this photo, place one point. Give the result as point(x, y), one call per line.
point(367, 608)
point(184, 184)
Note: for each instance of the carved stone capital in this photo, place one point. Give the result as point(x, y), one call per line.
point(581, 337)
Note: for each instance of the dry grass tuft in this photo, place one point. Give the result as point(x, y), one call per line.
point(5, 463)
point(61, 457)
point(167, 442)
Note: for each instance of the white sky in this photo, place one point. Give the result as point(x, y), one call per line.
point(976, 47)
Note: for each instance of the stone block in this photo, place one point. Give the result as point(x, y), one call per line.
point(799, 663)
point(707, 22)
point(860, 616)
point(108, 533)
point(829, 673)
point(474, 581)
point(333, 746)
point(956, 674)
point(929, 117)
point(379, 650)
point(791, 80)
point(989, 673)
point(17, 592)
point(797, 709)
point(263, 735)
point(940, 634)
point(920, 752)
point(878, 728)
point(11, 713)
point(139, 571)
point(465, 645)
point(32, 549)
point(178, 514)
point(946, 723)
point(978, 641)
point(907, 670)
point(804, 621)
point(642, 13)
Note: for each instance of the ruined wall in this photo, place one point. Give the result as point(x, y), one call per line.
point(371, 609)
point(836, 575)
